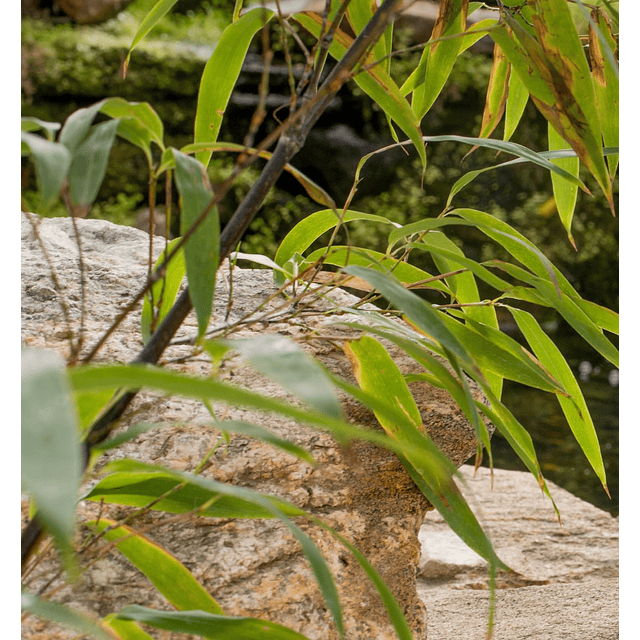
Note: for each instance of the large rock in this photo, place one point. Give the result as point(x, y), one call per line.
point(565, 579)
point(252, 567)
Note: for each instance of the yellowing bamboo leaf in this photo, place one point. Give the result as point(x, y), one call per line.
point(606, 84)
point(517, 99)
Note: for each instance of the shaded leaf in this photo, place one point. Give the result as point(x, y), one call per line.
point(89, 163)
point(65, 616)
point(77, 125)
point(52, 161)
point(29, 123)
point(202, 249)
point(51, 465)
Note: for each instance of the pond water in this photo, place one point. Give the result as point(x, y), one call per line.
point(559, 454)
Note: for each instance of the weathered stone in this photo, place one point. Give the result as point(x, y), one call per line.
point(565, 579)
point(252, 567)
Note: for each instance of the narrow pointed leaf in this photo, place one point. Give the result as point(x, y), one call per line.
point(152, 18)
point(89, 163)
point(125, 629)
point(208, 625)
point(202, 249)
point(605, 82)
point(65, 616)
point(575, 409)
point(52, 161)
point(167, 574)
point(35, 124)
point(438, 59)
point(164, 292)
point(564, 193)
point(221, 73)
point(517, 99)
point(51, 466)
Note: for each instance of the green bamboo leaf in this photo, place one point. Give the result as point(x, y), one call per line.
point(308, 230)
point(62, 615)
point(438, 59)
point(605, 80)
point(139, 123)
point(125, 629)
point(374, 81)
point(221, 73)
point(77, 125)
point(28, 123)
point(209, 625)
point(271, 505)
point(89, 163)
point(138, 484)
point(202, 249)
point(284, 362)
point(152, 18)
point(167, 574)
point(51, 465)
point(377, 373)
point(420, 312)
point(570, 310)
point(89, 405)
point(574, 409)
point(517, 98)
point(494, 351)
point(164, 292)
point(52, 161)
point(565, 194)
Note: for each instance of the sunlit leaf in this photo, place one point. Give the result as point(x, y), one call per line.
point(564, 193)
point(209, 625)
point(575, 408)
point(164, 292)
point(167, 574)
point(517, 98)
point(221, 73)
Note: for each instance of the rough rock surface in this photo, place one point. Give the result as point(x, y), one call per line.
point(252, 567)
point(565, 580)
point(92, 11)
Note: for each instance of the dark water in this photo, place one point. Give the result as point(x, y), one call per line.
point(559, 454)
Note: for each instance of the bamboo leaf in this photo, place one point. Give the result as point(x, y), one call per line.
point(564, 193)
point(575, 409)
point(28, 123)
point(125, 629)
point(164, 292)
point(221, 73)
point(89, 163)
point(167, 574)
point(152, 18)
point(77, 125)
point(51, 465)
point(52, 161)
point(308, 230)
point(202, 249)
point(209, 625)
point(438, 59)
point(517, 98)
point(65, 616)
